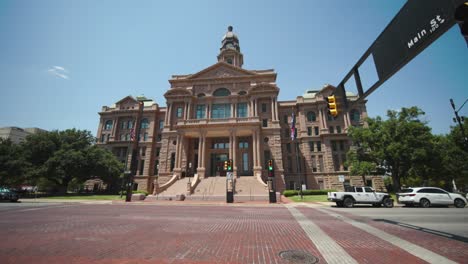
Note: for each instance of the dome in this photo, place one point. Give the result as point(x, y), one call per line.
point(230, 34)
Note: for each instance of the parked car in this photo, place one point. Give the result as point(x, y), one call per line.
point(360, 195)
point(427, 196)
point(7, 194)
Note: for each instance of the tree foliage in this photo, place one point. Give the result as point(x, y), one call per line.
point(57, 158)
point(402, 145)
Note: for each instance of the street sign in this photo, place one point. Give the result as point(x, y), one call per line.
point(341, 178)
point(229, 175)
point(414, 28)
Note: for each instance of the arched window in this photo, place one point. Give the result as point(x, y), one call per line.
point(108, 125)
point(355, 115)
point(222, 92)
point(144, 123)
point(311, 116)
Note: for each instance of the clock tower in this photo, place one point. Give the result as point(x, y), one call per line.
point(230, 49)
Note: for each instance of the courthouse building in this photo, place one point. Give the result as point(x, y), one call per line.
point(228, 112)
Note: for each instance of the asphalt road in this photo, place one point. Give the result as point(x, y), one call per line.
point(453, 221)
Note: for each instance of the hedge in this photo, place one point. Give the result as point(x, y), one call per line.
point(289, 193)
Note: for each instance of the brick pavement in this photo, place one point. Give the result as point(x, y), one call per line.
point(148, 233)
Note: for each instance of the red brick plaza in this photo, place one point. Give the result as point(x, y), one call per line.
point(149, 233)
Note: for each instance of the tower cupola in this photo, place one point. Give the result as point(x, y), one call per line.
point(230, 49)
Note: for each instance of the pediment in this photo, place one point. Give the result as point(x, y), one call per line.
point(127, 100)
point(177, 92)
point(221, 70)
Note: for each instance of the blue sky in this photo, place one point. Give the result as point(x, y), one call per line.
point(61, 61)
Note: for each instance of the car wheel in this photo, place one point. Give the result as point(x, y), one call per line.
point(339, 204)
point(348, 202)
point(387, 202)
point(459, 203)
point(424, 203)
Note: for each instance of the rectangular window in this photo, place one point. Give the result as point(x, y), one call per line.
point(221, 111)
point(311, 146)
point(341, 145)
point(267, 157)
point(309, 131)
point(343, 160)
point(243, 145)
point(130, 124)
point(264, 122)
point(145, 137)
point(316, 131)
point(289, 164)
point(200, 114)
point(122, 137)
point(103, 138)
point(332, 130)
point(264, 108)
point(314, 164)
point(319, 146)
point(143, 151)
point(336, 163)
point(108, 137)
point(156, 167)
point(245, 161)
point(180, 111)
point(142, 166)
point(157, 151)
point(123, 124)
point(333, 143)
point(161, 124)
point(285, 119)
point(320, 163)
point(172, 161)
point(158, 138)
point(338, 129)
point(242, 110)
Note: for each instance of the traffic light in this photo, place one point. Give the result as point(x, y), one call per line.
point(332, 107)
point(229, 165)
point(225, 165)
point(461, 16)
point(271, 172)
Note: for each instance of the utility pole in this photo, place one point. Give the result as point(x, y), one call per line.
point(459, 120)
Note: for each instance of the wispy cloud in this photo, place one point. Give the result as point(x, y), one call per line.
point(58, 71)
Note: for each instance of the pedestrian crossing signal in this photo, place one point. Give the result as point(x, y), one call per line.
point(270, 165)
point(332, 107)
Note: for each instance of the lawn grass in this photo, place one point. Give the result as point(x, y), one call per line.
point(87, 197)
point(309, 198)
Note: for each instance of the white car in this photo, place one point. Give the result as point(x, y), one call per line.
point(426, 196)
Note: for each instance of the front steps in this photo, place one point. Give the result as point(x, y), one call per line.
point(214, 189)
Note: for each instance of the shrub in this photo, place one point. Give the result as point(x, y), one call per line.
point(289, 193)
point(143, 192)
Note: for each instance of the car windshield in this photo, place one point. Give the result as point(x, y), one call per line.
point(406, 190)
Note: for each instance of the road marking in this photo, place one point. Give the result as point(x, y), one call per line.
point(41, 208)
point(407, 246)
point(330, 250)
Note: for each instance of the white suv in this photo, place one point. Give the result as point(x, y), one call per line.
point(425, 196)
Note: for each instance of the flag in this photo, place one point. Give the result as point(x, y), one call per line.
point(293, 126)
point(132, 134)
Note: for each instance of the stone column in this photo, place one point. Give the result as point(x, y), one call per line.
point(273, 109)
point(258, 149)
point(200, 146)
point(169, 114)
point(254, 148)
point(189, 111)
point(276, 109)
point(234, 151)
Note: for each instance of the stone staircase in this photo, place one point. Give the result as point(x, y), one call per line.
point(214, 189)
point(248, 188)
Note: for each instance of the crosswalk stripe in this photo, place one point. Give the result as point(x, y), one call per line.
point(407, 246)
point(330, 250)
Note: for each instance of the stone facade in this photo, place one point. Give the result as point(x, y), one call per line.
point(227, 112)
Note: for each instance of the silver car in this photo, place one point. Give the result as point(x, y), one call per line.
point(427, 196)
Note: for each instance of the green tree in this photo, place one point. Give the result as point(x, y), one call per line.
point(59, 157)
point(12, 164)
point(397, 145)
point(455, 157)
